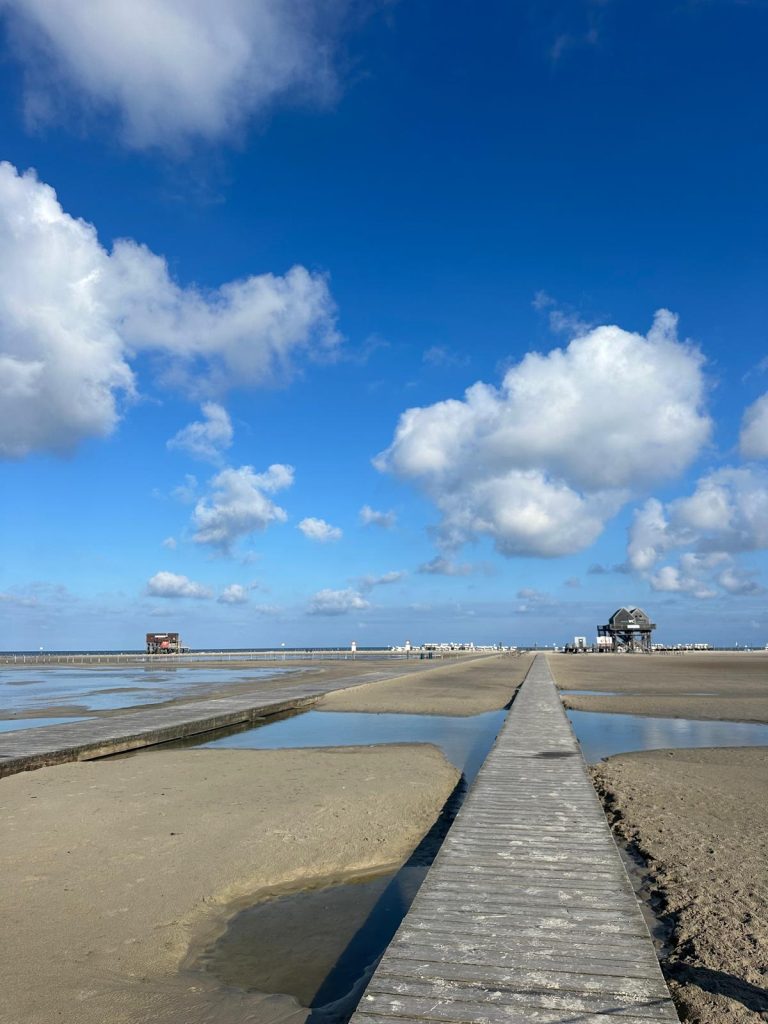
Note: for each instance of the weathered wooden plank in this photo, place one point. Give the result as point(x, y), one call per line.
point(610, 976)
point(644, 1003)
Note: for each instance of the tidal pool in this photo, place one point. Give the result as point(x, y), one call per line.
point(106, 689)
point(465, 741)
point(602, 734)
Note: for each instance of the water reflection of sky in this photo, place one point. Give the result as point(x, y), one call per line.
point(36, 723)
point(24, 689)
point(465, 741)
point(603, 734)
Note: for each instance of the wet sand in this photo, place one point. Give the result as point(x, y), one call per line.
point(716, 685)
point(452, 689)
point(113, 870)
point(349, 672)
point(700, 818)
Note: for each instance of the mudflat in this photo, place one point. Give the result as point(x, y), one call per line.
point(456, 688)
point(709, 685)
point(700, 820)
point(301, 671)
point(112, 870)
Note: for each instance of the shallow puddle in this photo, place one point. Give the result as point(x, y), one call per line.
point(465, 741)
point(602, 734)
point(319, 946)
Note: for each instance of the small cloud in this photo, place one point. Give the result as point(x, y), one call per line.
point(170, 543)
point(320, 531)
point(534, 600)
point(361, 356)
point(737, 581)
point(337, 602)
point(186, 493)
point(266, 609)
point(235, 593)
point(573, 582)
point(171, 584)
point(207, 439)
point(370, 517)
point(438, 356)
point(440, 566)
point(239, 505)
point(542, 300)
point(596, 569)
point(367, 583)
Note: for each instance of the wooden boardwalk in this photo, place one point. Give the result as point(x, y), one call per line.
point(26, 749)
point(527, 915)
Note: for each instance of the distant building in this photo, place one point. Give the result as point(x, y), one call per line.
point(628, 629)
point(164, 643)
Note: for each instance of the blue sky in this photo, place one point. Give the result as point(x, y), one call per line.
point(257, 236)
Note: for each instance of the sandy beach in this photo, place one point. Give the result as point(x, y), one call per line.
point(700, 819)
point(448, 690)
point(112, 870)
point(713, 685)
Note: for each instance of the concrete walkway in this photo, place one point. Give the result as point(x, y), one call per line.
point(527, 915)
point(26, 749)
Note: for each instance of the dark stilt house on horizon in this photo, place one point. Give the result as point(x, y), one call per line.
point(629, 629)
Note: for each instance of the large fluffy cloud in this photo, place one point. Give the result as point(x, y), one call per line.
point(727, 514)
point(239, 505)
point(73, 315)
point(174, 70)
point(541, 462)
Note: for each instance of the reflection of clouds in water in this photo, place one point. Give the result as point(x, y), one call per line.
point(602, 734)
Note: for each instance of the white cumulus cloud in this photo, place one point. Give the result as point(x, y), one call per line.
point(754, 430)
point(371, 517)
point(367, 583)
point(337, 602)
point(319, 531)
point(205, 439)
point(235, 593)
point(726, 515)
point(239, 505)
point(73, 317)
point(175, 70)
point(540, 463)
point(441, 566)
point(171, 584)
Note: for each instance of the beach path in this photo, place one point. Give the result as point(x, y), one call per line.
point(527, 914)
